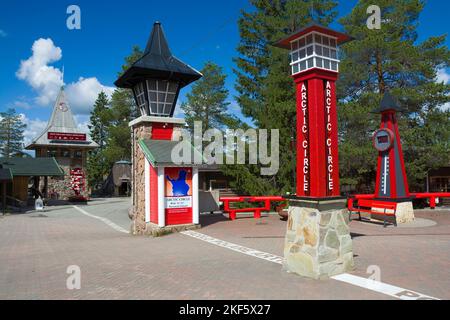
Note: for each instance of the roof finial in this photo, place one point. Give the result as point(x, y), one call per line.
point(62, 78)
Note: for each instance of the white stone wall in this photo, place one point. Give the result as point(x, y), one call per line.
point(318, 244)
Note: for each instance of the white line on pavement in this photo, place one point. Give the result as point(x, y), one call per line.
point(380, 287)
point(104, 220)
point(390, 290)
point(235, 247)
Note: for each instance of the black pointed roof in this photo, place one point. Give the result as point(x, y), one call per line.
point(157, 62)
point(388, 103)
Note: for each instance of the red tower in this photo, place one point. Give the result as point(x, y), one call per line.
point(315, 67)
point(391, 183)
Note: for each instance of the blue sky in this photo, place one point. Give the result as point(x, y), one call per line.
point(197, 31)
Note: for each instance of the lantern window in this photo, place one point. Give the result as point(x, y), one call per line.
point(162, 96)
point(139, 92)
point(314, 50)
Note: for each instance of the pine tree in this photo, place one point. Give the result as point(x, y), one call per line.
point(98, 166)
point(392, 59)
point(266, 92)
point(11, 133)
point(99, 120)
point(207, 101)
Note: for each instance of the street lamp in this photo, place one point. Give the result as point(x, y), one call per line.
point(157, 77)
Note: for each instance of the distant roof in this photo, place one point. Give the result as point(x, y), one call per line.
point(61, 121)
point(159, 152)
point(32, 166)
point(123, 162)
point(5, 175)
point(388, 103)
point(158, 62)
point(285, 43)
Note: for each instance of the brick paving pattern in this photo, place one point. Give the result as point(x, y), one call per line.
point(36, 249)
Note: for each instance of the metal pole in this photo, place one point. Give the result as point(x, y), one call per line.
point(4, 197)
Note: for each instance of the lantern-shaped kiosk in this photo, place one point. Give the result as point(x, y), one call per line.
point(165, 193)
point(315, 66)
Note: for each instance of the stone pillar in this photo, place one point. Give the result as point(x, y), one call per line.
point(141, 130)
point(318, 244)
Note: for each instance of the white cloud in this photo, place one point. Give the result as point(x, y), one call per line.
point(83, 122)
point(33, 130)
point(83, 93)
point(443, 76)
point(47, 80)
point(22, 104)
point(44, 79)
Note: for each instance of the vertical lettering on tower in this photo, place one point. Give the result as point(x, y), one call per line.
point(303, 147)
point(329, 139)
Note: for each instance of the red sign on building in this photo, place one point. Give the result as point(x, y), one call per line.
point(66, 136)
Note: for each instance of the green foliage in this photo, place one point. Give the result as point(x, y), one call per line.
point(207, 100)
point(109, 127)
point(11, 133)
point(98, 167)
point(266, 92)
point(391, 59)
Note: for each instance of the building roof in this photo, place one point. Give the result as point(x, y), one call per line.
point(285, 43)
point(158, 62)
point(5, 175)
point(32, 166)
point(123, 162)
point(388, 103)
point(61, 121)
point(159, 152)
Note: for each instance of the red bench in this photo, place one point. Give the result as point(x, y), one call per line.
point(375, 207)
point(257, 210)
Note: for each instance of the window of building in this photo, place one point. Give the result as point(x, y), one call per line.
point(65, 153)
point(78, 154)
point(52, 153)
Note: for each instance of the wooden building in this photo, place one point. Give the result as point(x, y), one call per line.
point(25, 173)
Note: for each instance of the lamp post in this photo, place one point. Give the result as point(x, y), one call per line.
point(156, 80)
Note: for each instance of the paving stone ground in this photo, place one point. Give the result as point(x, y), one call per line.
point(37, 248)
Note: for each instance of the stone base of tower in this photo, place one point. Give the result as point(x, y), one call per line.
point(318, 244)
